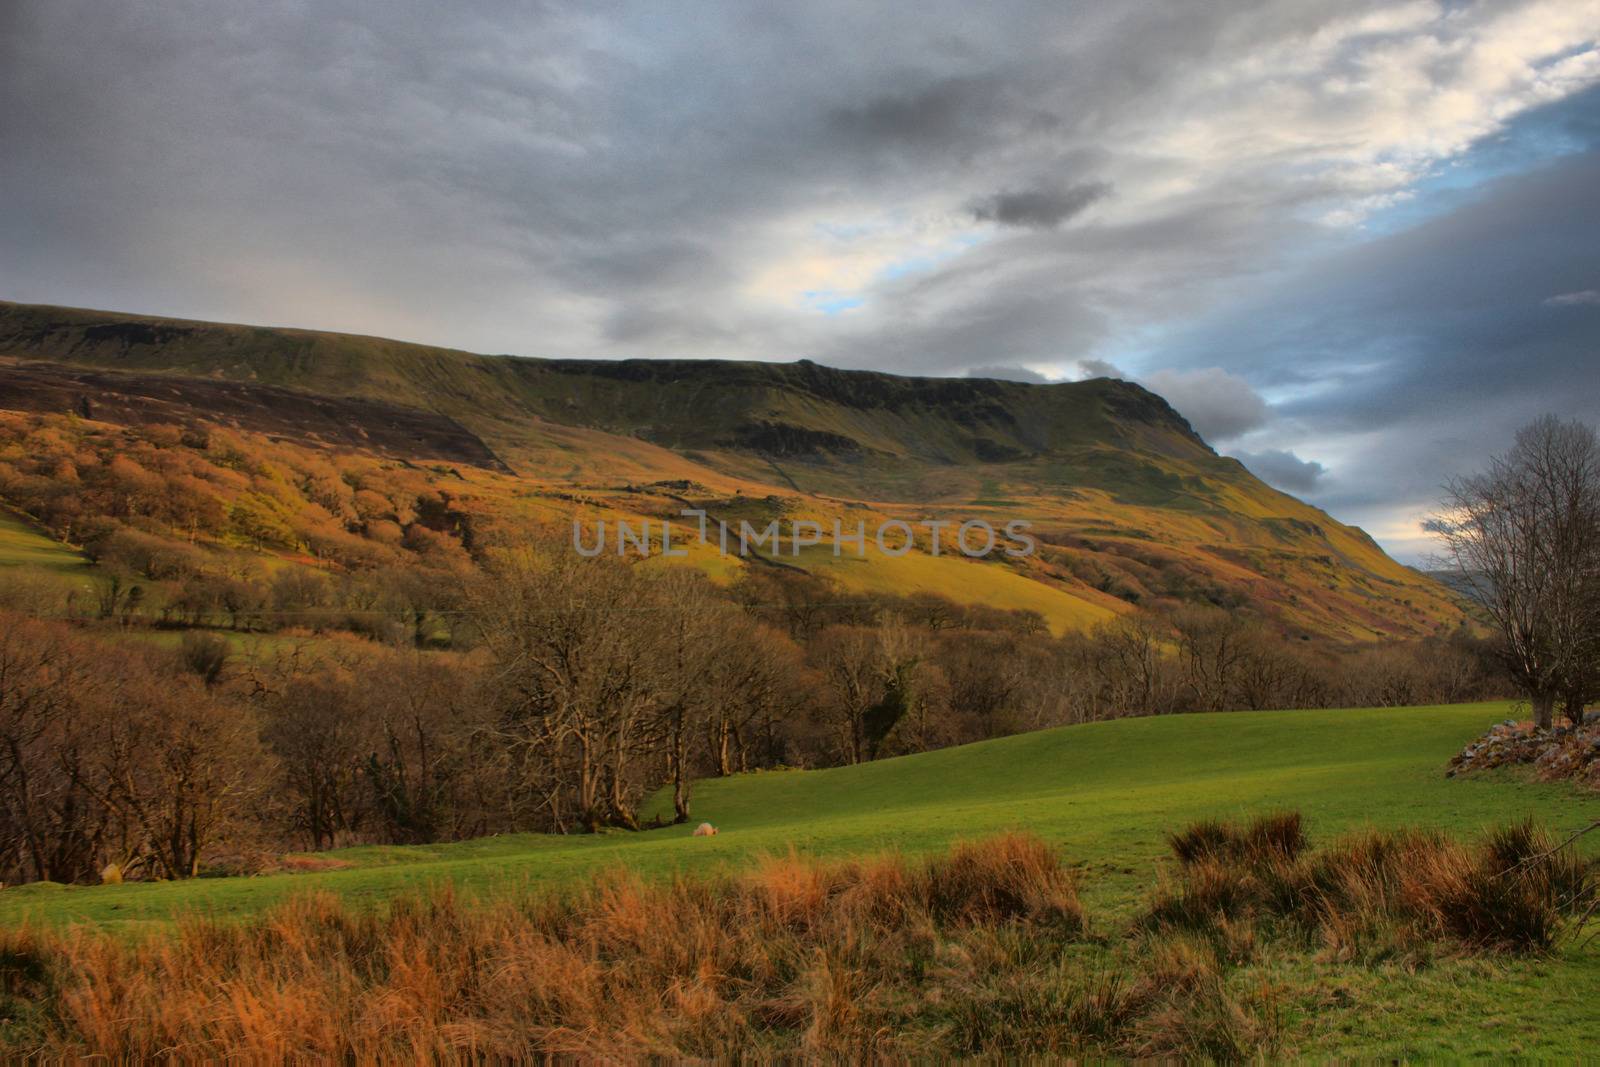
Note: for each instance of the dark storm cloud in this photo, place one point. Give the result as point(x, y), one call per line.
point(948, 111)
point(1039, 208)
point(776, 181)
point(554, 179)
point(1450, 316)
point(1219, 405)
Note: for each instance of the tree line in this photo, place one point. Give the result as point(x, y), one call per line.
point(575, 691)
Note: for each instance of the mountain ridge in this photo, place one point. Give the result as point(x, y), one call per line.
point(1005, 419)
point(1131, 505)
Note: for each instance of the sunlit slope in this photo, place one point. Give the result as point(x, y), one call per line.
point(1106, 793)
point(1064, 606)
point(1129, 505)
point(21, 545)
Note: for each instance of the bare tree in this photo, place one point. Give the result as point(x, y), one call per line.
point(420, 761)
point(1213, 645)
point(757, 678)
point(877, 678)
point(691, 641)
point(1128, 659)
point(313, 720)
point(177, 766)
point(847, 657)
point(103, 756)
point(570, 642)
point(50, 827)
point(1525, 537)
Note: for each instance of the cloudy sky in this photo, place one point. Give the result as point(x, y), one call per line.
point(1356, 244)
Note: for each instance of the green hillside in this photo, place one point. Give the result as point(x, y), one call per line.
point(22, 545)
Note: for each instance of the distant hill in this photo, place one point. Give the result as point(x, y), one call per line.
point(1131, 506)
point(1469, 586)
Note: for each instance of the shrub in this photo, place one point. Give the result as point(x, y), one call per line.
point(204, 655)
point(979, 951)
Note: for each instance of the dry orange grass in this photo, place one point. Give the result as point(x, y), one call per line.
point(794, 957)
point(983, 950)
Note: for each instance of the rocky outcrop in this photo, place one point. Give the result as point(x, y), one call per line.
point(1565, 752)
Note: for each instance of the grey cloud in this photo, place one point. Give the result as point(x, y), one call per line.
point(1220, 406)
point(1008, 374)
point(553, 179)
point(932, 115)
point(1416, 355)
point(1043, 208)
point(1099, 368)
point(1283, 469)
point(524, 179)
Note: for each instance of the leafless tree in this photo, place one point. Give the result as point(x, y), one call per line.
point(313, 720)
point(50, 827)
point(177, 767)
point(1525, 537)
point(1128, 658)
point(420, 764)
point(104, 755)
point(1213, 646)
point(847, 657)
point(878, 678)
point(570, 642)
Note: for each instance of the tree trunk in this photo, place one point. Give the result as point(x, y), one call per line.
point(724, 764)
point(680, 798)
point(588, 788)
point(1574, 709)
point(680, 770)
point(1544, 705)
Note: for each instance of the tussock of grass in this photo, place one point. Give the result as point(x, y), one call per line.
point(1376, 894)
point(1276, 835)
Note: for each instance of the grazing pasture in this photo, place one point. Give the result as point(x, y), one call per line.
point(1103, 798)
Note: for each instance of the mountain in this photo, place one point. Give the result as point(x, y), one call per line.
point(1129, 505)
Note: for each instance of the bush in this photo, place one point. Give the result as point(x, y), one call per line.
point(204, 655)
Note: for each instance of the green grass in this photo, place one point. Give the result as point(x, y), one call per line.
point(966, 581)
point(23, 545)
point(1105, 793)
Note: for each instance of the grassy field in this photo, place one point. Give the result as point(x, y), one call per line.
point(22, 545)
point(1104, 793)
point(963, 580)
